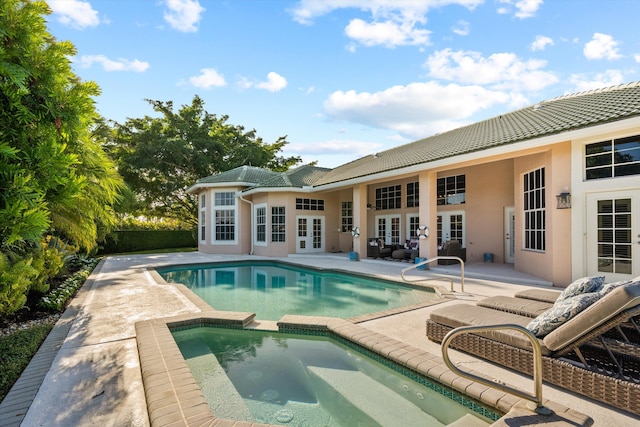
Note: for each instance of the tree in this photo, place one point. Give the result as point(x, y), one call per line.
point(55, 178)
point(160, 157)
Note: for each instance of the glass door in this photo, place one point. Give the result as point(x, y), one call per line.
point(613, 234)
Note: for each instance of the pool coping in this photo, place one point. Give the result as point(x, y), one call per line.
point(175, 399)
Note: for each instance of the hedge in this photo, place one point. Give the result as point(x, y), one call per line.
point(134, 241)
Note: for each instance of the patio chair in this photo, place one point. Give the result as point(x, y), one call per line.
point(452, 248)
point(578, 355)
point(534, 302)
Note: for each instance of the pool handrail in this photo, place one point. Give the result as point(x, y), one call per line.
point(534, 401)
point(424, 263)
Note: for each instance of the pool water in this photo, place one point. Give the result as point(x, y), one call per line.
point(290, 379)
point(272, 289)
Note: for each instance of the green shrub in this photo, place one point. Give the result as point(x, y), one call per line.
point(144, 240)
point(16, 277)
point(56, 299)
point(48, 262)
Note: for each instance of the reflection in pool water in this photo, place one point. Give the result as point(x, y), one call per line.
point(272, 289)
point(290, 379)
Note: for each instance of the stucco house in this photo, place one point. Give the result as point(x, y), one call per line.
point(553, 189)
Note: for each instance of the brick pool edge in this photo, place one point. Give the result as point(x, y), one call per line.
point(175, 399)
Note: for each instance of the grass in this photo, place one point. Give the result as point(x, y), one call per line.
point(16, 351)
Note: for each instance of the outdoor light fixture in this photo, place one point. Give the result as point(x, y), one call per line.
point(564, 200)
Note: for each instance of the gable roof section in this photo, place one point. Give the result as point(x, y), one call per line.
point(557, 115)
point(303, 176)
point(242, 175)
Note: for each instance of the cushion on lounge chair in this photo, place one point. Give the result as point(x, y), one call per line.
point(544, 295)
point(561, 312)
point(521, 306)
point(619, 299)
point(582, 286)
point(458, 315)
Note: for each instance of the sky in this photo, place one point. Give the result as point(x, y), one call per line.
point(342, 79)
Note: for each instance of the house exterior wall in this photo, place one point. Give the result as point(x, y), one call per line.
point(489, 189)
point(553, 263)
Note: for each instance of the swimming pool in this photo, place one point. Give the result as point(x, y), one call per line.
point(291, 379)
point(272, 289)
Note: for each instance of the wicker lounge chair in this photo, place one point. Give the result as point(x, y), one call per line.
point(534, 302)
point(578, 355)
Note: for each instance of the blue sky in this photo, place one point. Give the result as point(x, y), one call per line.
point(346, 78)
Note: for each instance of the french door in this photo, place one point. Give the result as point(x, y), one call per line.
point(451, 227)
point(309, 234)
point(388, 229)
point(613, 235)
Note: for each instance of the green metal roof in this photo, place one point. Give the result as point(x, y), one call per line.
point(561, 114)
point(299, 177)
point(247, 175)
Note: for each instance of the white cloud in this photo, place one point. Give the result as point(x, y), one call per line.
point(183, 15)
point(602, 46)
point(387, 33)
point(207, 79)
point(582, 82)
point(393, 22)
point(636, 57)
point(541, 43)
point(462, 28)
point(415, 110)
point(275, 82)
point(523, 8)
point(86, 61)
point(500, 70)
point(75, 13)
point(335, 146)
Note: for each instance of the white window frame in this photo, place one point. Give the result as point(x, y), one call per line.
point(219, 208)
point(537, 222)
point(412, 232)
point(202, 217)
point(278, 232)
point(256, 225)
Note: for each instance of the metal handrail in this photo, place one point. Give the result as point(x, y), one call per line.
point(535, 400)
point(420, 264)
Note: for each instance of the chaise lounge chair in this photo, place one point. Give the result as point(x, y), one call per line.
point(534, 302)
point(578, 355)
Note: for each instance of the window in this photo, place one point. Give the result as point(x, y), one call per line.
point(413, 223)
point(451, 190)
point(412, 194)
point(534, 210)
point(278, 231)
point(261, 224)
point(615, 158)
point(225, 216)
point(615, 236)
point(309, 204)
point(203, 216)
point(388, 197)
point(346, 216)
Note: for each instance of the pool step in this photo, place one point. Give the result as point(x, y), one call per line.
point(469, 420)
point(224, 400)
point(379, 402)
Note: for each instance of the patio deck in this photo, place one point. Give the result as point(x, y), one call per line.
point(89, 372)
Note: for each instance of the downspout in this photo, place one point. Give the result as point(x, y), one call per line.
point(239, 194)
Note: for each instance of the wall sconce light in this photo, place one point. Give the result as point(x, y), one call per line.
point(369, 206)
point(564, 200)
